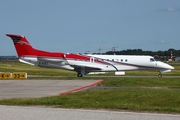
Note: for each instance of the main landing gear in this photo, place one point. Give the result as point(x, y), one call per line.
point(81, 72)
point(79, 75)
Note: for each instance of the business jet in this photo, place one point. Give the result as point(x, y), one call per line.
point(84, 64)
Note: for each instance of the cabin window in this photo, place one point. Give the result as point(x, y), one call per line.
point(126, 60)
point(121, 60)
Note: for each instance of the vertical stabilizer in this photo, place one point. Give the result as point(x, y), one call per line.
point(23, 47)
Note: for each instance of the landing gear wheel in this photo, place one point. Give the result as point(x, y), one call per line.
point(79, 75)
point(160, 75)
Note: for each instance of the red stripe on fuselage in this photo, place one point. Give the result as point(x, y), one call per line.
point(84, 58)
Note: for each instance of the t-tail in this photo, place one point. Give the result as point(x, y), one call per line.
point(29, 55)
point(23, 47)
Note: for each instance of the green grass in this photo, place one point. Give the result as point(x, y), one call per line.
point(33, 70)
point(152, 100)
point(147, 82)
point(15, 66)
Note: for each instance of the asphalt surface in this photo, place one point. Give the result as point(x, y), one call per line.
point(42, 113)
point(41, 88)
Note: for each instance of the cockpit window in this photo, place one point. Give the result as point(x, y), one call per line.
point(152, 59)
point(155, 59)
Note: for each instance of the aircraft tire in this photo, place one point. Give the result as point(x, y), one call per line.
point(79, 75)
point(160, 75)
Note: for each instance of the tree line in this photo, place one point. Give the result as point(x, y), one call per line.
point(8, 58)
point(163, 55)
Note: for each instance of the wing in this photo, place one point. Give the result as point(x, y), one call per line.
point(86, 68)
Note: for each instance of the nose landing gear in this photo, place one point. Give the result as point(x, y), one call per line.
point(159, 75)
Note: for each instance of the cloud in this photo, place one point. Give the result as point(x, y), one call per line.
point(170, 9)
point(162, 41)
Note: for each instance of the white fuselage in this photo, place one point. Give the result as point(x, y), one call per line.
point(101, 62)
point(133, 62)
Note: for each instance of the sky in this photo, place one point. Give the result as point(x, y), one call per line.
point(78, 26)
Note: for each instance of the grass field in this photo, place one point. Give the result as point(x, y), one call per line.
point(153, 95)
point(8, 66)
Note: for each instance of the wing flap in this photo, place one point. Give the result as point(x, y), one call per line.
point(88, 69)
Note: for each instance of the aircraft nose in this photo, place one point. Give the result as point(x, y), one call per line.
point(171, 67)
point(166, 66)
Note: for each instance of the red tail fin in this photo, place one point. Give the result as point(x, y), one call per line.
point(23, 48)
point(22, 45)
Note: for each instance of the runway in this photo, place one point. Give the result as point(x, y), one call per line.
point(42, 88)
point(42, 113)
